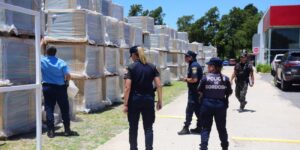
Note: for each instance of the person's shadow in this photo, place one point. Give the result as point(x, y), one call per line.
point(245, 110)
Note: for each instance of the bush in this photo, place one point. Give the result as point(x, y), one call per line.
point(263, 68)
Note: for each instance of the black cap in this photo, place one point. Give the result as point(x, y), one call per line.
point(244, 54)
point(215, 61)
point(191, 53)
point(133, 50)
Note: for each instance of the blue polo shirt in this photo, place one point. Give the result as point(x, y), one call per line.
point(53, 70)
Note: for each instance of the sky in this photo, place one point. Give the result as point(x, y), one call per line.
point(177, 8)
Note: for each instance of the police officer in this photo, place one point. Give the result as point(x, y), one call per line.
point(193, 78)
point(55, 77)
point(215, 89)
point(241, 74)
point(139, 96)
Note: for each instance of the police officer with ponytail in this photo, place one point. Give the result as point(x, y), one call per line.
point(215, 89)
point(139, 96)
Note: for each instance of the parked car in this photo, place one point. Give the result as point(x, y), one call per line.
point(232, 62)
point(288, 70)
point(274, 63)
point(225, 63)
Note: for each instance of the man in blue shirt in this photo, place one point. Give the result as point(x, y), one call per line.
point(193, 78)
point(55, 77)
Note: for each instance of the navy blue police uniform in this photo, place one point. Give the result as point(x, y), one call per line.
point(141, 101)
point(193, 106)
point(216, 89)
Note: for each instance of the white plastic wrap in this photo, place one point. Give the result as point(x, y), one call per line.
point(126, 35)
point(163, 29)
point(17, 113)
point(165, 76)
point(117, 11)
point(194, 47)
point(143, 22)
point(174, 59)
point(112, 32)
point(83, 60)
point(185, 47)
point(17, 61)
point(111, 60)
point(90, 96)
point(138, 36)
point(112, 89)
point(18, 23)
point(68, 4)
point(162, 59)
point(75, 26)
point(106, 9)
point(97, 5)
point(173, 46)
point(125, 59)
point(152, 57)
point(175, 72)
point(156, 42)
point(183, 71)
point(183, 36)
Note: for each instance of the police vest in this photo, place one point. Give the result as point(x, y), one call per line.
point(243, 72)
point(215, 86)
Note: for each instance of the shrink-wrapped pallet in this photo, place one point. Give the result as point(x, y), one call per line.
point(183, 71)
point(111, 60)
point(163, 29)
point(75, 26)
point(84, 61)
point(174, 45)
point(165, 76)
point(106, 9)
point(125, 59)
point(112, 89)
point(152, 57)
point(90, 95)
point(68, 4)
point(183, 36)
point(193, 47)
point(138, 36)
point(162, 59)
point(175, 72)
point(18, 23)
point(17, 61)
point(143, 22)
point(126, 35)
point(17, 112)
point(174, 59)
point(117, 11)
point(159, 42)
point(112, 32)
point(185, 47)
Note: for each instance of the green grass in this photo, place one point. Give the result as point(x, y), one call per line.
point(94, 129)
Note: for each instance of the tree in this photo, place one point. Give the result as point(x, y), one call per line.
point(158, 16)
point(184, 23)
point(135, 10)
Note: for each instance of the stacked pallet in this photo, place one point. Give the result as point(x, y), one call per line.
point(91, 37)
point(17, 68)
point(176, 62)
point(198, 49)
point(209, 52)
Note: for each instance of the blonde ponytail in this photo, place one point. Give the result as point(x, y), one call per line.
point(141, 55)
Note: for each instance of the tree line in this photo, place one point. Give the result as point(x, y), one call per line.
point(230, 33)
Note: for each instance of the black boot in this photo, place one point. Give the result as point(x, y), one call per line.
point(196, 130)
point(51, 133)
point(69, 132)
point(184, 131)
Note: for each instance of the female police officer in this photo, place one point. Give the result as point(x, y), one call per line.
point(139, 96)
point(215, 89)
